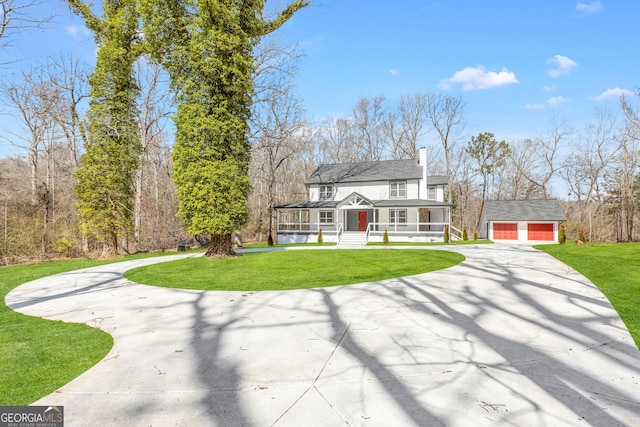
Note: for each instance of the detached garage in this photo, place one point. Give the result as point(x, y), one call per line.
point(521, 220)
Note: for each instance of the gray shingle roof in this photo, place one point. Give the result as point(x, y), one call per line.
point(437, 180)
point(523, 210)
point(366, 171)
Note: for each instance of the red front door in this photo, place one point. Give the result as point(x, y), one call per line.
point(362, 221)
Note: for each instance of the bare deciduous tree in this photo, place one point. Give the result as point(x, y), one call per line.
point(404, 126)
point(279, 124)
point(368, 116)
point(70, 78)
point(445, 114)
point(337, 142)
point(155, 104)
point(584, 171)
point(625, 186)
point(31, 101)
point(17, 16)
point(538, 159)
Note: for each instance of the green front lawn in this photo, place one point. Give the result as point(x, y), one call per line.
point(452, 242)
point(294, 269)
point(38, 356)
point(614, 268)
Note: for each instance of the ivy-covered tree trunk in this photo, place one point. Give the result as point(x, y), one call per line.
point(207, 48)
point(112, 149)
point(219, 246)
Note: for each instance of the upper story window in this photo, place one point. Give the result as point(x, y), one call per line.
point(326, 192)
point(431, 192)
point(397, 189)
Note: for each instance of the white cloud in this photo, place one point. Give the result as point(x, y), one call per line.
point(478, 78)
point(552, 102)
point(534, 106)
point(614, 93)
point(555, 101)
point(562, 64)
point(589, 8)
point(77, 30)
point(394, 72)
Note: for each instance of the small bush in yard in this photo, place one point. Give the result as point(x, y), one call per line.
point(475, 235)
point(583, 238)
point(465, 235)
point(562, 236)
point(385, 237)
point(320, 240)
point(447, 237)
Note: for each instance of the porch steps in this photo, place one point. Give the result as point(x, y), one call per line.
point(353, 239)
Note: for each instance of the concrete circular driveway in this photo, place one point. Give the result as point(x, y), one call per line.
point(510, 336)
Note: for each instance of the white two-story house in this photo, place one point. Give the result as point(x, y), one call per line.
point(355, 203)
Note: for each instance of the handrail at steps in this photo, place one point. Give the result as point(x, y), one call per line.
point(455, 234)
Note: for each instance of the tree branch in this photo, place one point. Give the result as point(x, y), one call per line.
point(91, 20)
point(269, 27)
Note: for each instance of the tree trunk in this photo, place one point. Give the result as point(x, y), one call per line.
point(221, 246)
point(137, 208)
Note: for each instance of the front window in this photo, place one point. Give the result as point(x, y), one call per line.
point(398, 216)
point(326, 192)
point(326, 217)
point(398, 189)
point(294, 219)
point(431, 192)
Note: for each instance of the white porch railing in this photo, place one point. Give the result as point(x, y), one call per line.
point(375, 227)
point(433, 231)
point(409, 227)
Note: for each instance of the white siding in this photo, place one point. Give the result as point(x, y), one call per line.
point(372, 190)
point(377, 190)
point(413, 189)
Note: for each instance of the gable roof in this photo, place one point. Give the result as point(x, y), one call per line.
point(355, 199)
point(523, 210)
point(437, 180)
point(386, 170)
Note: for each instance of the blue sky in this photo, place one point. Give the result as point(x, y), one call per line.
point(516, 64)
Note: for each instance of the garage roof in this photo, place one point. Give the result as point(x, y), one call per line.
point(523, 210)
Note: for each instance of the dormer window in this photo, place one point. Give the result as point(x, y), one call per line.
point(326, 192)
point(398, 189)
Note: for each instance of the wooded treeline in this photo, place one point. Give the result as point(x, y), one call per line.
point(593, 170)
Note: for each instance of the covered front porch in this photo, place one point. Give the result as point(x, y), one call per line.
point(357, 219)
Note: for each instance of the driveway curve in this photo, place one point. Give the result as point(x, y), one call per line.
point(510, 336)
